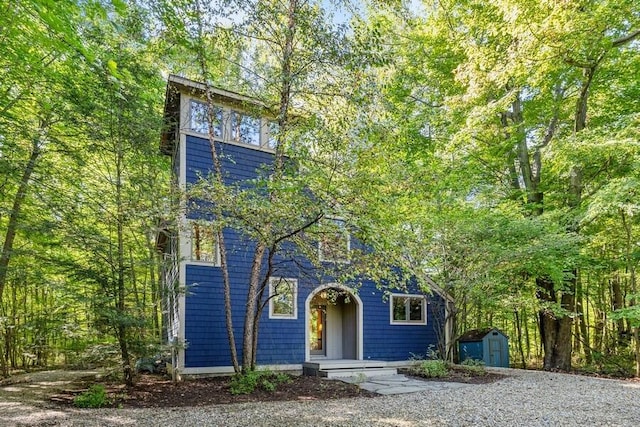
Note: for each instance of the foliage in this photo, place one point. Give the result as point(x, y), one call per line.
point(504, 123)
point(247, 383)
point(474, 366)
point(95, 397)
point(486, 145)
point(435, 368)
point(472, 362)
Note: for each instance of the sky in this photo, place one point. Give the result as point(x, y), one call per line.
point(342, 14)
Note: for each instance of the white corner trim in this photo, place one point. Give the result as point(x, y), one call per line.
point(182, 275)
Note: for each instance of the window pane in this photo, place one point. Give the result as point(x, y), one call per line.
point(415, 309)
point(203, 244)
point(283, 301)
point(399, 308)
point(245, 129)
point(200, 119)
point(283, 298)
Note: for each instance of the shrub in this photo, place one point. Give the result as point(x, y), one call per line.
point(472, 362)
point(475, 366)
point(433, 368)
point(266, 380)
point(95, 397)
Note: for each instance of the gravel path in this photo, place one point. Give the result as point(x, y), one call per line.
point(526, 398)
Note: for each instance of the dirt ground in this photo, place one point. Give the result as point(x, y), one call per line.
point(157, 391)
point(51, 388)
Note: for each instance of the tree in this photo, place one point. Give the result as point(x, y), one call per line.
point(502, 89)
point(37, 45)
point(112, 220)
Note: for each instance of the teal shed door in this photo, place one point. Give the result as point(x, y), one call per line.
point(495, 351)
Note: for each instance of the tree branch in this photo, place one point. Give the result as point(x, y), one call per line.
point(626, 39)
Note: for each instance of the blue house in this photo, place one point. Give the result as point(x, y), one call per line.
point(310, 318)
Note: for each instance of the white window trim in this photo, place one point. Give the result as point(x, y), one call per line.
point(332, 260)
point(408, 322)
point(216, 263)
point(272, 282)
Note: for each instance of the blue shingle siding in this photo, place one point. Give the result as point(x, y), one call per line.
point(385, 341)
point(238, 163)
point(281, 341)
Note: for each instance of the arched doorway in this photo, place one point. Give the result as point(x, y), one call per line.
point(333, 323)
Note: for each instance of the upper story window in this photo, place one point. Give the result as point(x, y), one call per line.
point(408, 309)
point(245, 128)
point(282, 298)
point(231, 125)
point(335, 241)
point(199, 120)
point(204, 246)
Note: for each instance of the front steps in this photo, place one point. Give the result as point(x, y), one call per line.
point(347, 368)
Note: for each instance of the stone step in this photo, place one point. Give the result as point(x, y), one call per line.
point(367, 372)
point(323, 364)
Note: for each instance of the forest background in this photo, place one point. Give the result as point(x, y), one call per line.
point(493, 146)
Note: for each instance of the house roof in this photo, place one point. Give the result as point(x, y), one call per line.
point(478, 334)
point(177, 85)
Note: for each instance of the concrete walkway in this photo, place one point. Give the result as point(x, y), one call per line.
point(399, 384)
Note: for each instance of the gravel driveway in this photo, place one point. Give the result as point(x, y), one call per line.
point(525, 398)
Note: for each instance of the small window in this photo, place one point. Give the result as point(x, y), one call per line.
point(245, 128)
point(204, 247)
point(200, 120)
point(335, 241)
point(282, 298)
point(408, 309)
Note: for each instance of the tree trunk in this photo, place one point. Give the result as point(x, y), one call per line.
point(519, 334)
point(618, 304)
point(251, 309)
point(7, 247)
point(14, 216)
point(226, 283)
point(527, 339)
point(582, 322)
point(120, 274)
point(555, 330)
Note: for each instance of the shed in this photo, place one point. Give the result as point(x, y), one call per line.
point(489, 345)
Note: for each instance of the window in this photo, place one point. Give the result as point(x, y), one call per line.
point(408, 309)
point(335, 242)
point(204, 247)
point(282, 298)
point(245, 128)
point(200, 121)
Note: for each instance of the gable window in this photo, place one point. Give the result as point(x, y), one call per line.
point(204, 247)
point(408, 309)
point(245, 128)
point(335, 241)
point(199, 120)
point(282, 298)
